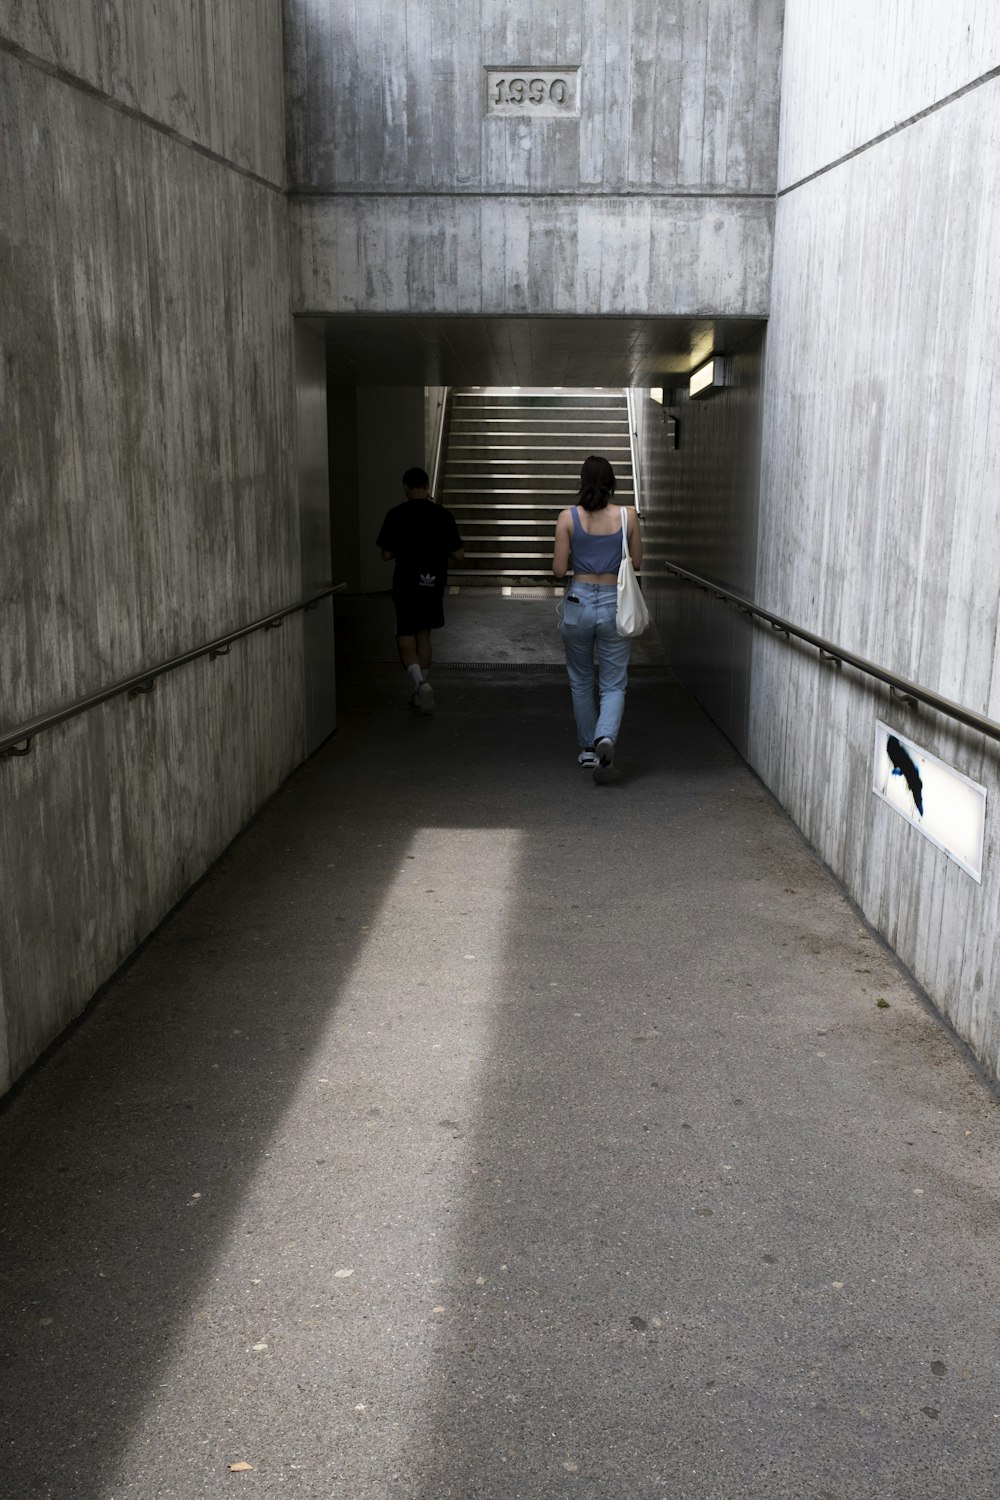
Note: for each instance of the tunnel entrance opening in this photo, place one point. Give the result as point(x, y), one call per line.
point(388, 349)
point(506, 473)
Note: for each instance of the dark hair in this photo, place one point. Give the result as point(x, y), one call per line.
point(597, 483)
point(415, 479)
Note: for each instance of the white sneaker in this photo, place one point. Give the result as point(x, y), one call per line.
point(587, 758)
point(424, 698)
point(604, 770)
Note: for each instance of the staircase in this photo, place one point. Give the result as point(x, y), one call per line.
point(513, 463)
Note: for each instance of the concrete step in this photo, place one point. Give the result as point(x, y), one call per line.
point(579, 445)
point(537, 404)
point(490, 491)
point(493, 539)
point(565, 423)
point(514, 500)
point(489, 498)
point(531, 530)
point(479, 575)
point(540, 400)
point(512, 455)
point(534, 526)
point(507, 550)
point(499, 518)
point(555, 473)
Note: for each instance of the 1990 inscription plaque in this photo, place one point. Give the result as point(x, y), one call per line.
point(535, 93)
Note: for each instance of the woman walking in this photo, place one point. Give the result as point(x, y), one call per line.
point(589, 540)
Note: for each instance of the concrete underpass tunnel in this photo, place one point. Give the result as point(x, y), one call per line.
point(515, 394)
point(420, 1118)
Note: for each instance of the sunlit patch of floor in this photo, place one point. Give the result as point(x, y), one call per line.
point(308, 1349)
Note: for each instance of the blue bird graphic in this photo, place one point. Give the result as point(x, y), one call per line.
point(902, 765)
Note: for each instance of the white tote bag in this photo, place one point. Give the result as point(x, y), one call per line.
point(632, 616)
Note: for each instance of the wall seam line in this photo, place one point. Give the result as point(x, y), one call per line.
point(495, 193)
point(429, 314)
point(84, 86)
point(877, 140)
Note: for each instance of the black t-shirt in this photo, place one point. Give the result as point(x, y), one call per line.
point(421, 533)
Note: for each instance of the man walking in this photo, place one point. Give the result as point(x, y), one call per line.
point(419, 536)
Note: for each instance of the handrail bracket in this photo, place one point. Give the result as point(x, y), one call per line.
point(900, 689)
point(17, 741)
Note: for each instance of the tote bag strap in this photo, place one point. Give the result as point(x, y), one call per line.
point(624, 525)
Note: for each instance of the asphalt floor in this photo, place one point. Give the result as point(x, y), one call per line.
point(476, 1131)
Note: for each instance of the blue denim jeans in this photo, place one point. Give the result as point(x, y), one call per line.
point(588, 620)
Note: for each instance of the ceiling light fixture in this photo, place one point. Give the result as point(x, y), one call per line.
point(710, 378)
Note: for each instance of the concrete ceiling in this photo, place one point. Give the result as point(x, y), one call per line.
point(374, 349)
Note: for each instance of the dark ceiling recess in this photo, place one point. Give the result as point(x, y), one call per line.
point(373, 349)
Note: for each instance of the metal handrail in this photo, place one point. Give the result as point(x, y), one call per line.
point(631, 405)
point(901, 688)
point(17, 742)
point(439, 441)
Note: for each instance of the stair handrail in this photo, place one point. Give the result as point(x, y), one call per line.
point(901, 689)
point(632, 408)
point(442, 414)
point(16, 743)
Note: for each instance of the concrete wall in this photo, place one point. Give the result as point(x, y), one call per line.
point(880, 507)
point(146, 384)
point(210, 74)
point(376, 434)
point(342, 426)
point(407, 196)
point(700, 512)
point(313, 485)
point(391, 426)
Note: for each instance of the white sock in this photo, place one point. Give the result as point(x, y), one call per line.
point(415, 674)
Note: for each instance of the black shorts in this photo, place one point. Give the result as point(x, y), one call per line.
point(418, 609)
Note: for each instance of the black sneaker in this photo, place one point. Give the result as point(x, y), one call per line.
point(605, 752)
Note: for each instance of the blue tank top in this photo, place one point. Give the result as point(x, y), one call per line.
point(595, 554)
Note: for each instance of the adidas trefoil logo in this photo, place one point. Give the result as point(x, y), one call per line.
point(428, 580)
